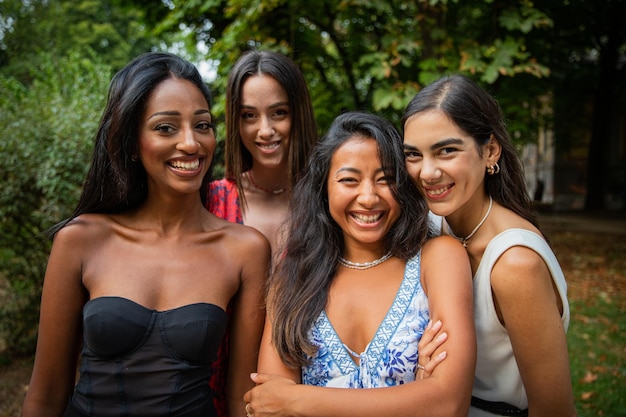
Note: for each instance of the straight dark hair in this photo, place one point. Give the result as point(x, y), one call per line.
point(479, 115)
point(116, 180)
point(299, 289)
point(303, 133)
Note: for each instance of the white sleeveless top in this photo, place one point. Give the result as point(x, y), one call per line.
point(497, 377)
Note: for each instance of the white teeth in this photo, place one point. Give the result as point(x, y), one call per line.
point(438, 191)
point(269, 145)
point(366, 219)
point(186, 165)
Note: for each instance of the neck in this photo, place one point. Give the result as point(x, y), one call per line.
point(467, 234)
point(170, 216)
point(270, 181)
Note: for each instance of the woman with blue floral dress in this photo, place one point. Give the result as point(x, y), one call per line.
point(359, 283)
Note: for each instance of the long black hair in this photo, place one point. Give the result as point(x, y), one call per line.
point(479, 115)
point(299, 289)
point(117, 181)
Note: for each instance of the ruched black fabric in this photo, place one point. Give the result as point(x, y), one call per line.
point(138, 362)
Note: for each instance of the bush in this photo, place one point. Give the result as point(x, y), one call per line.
point(48, 129)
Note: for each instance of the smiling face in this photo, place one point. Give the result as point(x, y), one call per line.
point(359, 197)
point(265, 120)
point(176, 137)
point(444, 162)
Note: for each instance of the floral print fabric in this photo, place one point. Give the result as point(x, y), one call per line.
point(389, 359)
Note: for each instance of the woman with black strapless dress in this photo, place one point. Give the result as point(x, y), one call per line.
point(141, 276)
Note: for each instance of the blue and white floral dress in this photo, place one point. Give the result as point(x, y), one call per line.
point(389, 359)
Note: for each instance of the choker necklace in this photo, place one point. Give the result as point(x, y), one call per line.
point(465, 240)
point(366, 265)
point(273, 192)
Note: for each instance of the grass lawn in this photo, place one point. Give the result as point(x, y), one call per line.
point(595, 267)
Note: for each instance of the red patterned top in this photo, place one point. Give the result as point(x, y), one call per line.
point(223, 201)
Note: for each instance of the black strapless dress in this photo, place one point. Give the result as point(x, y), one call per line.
point(138, 362)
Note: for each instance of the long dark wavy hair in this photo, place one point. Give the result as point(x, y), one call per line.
point(303, 134)
point(298, 291)
point(116, 181)
point(479, 115)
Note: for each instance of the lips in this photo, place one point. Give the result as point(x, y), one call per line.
point(185, 165)
point(367, 218)
point(265, 146)
point(436, 192)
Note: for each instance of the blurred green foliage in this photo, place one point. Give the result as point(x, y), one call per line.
point(48, 128)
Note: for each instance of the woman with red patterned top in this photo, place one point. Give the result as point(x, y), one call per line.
point(270, 129)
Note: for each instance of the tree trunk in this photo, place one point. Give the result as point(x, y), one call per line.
point(597, 158)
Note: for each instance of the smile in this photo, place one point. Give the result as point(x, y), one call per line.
point(185, 165)
point(437, 191)
point(268, 146)
point(367, 218)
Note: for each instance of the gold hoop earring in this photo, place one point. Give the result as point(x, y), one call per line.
point(494, 169)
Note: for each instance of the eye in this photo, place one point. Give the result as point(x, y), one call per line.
point(246, 115)
point(164, 128)
point(205, 125)
point(387, 179)
point(412, 155)
point(347, 180)
point(447, 151)
point(281, 113)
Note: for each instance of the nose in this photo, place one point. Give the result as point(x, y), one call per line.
point(266, 128)
point(429, 171)
point(188, 142)
point(368, 194)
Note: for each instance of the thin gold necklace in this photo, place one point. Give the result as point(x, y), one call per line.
point(273, 192)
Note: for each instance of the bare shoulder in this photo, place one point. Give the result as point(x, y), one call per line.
point(445, 262)
point(517, 269)
point(84, 229)
point(241, 234)
point(442, 247)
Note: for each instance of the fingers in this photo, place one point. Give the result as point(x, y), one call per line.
point(429, 341)
point(428, 369)
point(428, 344)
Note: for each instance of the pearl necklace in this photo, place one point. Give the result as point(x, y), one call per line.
point(465, 240)
point(274, 192)
point(366, 265)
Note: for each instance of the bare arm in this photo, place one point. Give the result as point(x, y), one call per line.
point(447, 277)
point(248, 316)
point(529, 306)
point(60, 328)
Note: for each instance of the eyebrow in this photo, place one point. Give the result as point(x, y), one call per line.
point(177, 113)
point(272, 106)
point(441, 144)
point(354, 170)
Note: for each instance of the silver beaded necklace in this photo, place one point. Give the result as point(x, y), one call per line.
point(366, 265)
